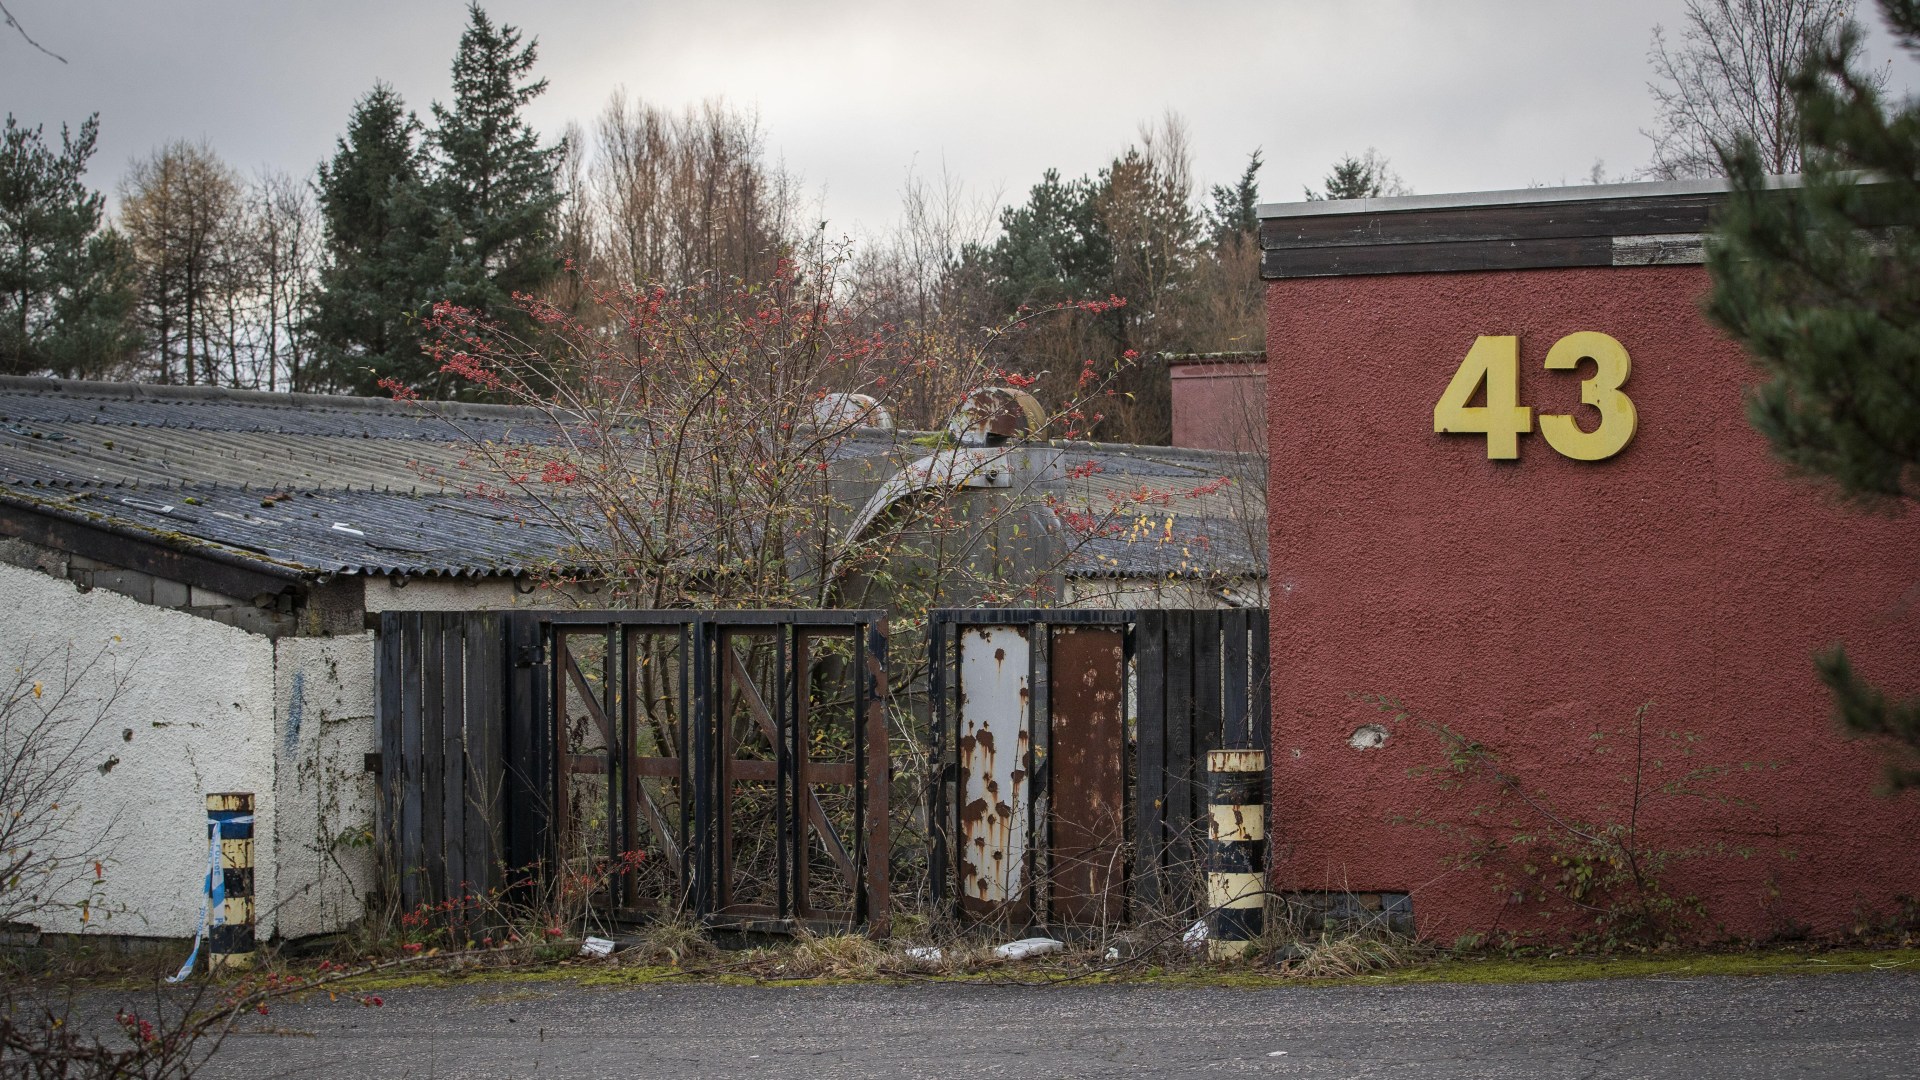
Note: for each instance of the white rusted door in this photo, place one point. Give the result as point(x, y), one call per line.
point(995, 739)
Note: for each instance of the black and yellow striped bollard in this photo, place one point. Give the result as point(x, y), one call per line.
point(1236, 851)
point(231, 941)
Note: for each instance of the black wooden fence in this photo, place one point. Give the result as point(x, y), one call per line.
point(443, 683)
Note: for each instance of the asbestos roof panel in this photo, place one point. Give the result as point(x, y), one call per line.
point(29, 403)
point(339, 532)
point(63, 454)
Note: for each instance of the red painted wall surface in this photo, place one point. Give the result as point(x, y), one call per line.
point(1219, 406)
point(1529, 604)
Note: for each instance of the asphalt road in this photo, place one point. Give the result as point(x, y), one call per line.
point(1841, 1025)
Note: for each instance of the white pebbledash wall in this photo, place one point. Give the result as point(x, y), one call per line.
point(205, 707)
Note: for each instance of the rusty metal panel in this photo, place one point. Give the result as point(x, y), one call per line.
point(1086, 694)
point(995, 736)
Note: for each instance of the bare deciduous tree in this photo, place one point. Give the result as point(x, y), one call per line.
point(1728, 78)
point(676, 197)
point(181, 207)
point(226, 270)
point(913, 277)
point(284, 234)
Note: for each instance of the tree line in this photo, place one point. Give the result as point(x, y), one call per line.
point(322, 283)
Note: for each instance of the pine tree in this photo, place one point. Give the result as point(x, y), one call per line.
point(384, 257)
point(1819, 283)
point(497, 190)
point(1235, 213)
point(65, 288)
point(1367, 176)
point(1053, 248)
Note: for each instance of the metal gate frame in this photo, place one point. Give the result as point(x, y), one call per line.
point(515, 667)
point(707, 768)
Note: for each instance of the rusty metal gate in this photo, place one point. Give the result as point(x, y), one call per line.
point(1071, 745)
point(730, 764)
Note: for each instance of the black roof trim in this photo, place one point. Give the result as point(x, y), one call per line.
point(1605, 225)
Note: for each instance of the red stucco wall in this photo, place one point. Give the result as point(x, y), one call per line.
point(1219, 406)
point(1530, 603)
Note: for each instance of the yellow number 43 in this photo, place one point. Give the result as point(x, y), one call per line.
point(1494, 361)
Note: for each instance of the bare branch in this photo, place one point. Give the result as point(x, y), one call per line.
point(22, 31)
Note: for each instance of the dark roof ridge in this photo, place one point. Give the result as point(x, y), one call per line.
point(138, 391)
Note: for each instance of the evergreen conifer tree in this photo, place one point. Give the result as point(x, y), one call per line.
point(384, 257)
point(66, 292)
point(495, 188)
point(1821, 283)
point(1235, 213)
point(1054, 247)
point(1367, 176)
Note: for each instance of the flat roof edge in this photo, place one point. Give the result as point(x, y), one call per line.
point(1650, 189)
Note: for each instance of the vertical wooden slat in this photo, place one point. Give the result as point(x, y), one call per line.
point(560, 666)
point(1181, 789)
point(453, 780)
point(615, 736)
point(412, 862)
point(684, 733)
point(523, 808)
point(1237, 733)
point(863, 866)
point(789, 828)
point(878, 780)
point(700, 742)
point(631, 645)
point(1207, 708)
point(433, 707)
point(802, 769)
point(938, 827)
point(723, 731)
point(1261, 680)
point(482, 743)
point(1150, 767)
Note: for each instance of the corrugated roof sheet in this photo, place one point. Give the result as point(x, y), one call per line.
point(356, 485)
point(334, 531)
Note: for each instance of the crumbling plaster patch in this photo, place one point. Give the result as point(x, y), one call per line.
point(324, 707)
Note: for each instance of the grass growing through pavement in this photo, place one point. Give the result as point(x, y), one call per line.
point(836, 962)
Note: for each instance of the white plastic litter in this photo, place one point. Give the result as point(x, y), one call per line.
point(1026, 948)
point(925, 952)
point(1276, 1053)
point(1196, 935)
point(597, 947)
point(1113, 952)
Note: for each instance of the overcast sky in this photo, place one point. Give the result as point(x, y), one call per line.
point(1460, 95)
